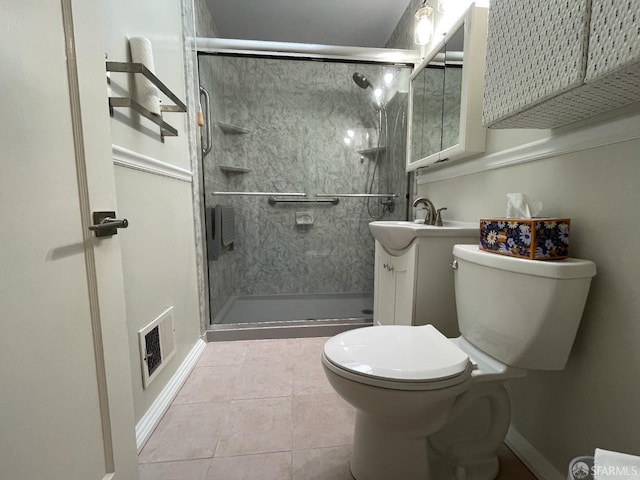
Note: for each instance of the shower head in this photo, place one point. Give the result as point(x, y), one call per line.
point(361, 81)
point(364, 83)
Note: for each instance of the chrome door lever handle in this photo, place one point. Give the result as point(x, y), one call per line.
point(105, 224)
point(110, 223)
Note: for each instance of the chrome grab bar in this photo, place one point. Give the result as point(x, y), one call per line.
point(206, 148)
point(318, 198)
point(263, 194)
point(358, 195)
point(331, 200)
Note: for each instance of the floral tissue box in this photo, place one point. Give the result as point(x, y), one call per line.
point(535, 238)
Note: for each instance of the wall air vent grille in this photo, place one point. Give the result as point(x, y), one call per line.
point(152, 350)
point(157, 345)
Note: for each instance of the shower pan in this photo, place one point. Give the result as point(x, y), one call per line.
point(301, 159)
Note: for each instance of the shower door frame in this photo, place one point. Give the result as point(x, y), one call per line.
point(299, 51)
point(382, 56)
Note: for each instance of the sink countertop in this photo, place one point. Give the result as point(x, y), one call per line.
point(398, 235)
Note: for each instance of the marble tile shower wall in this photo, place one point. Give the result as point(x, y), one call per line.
point(298, 114)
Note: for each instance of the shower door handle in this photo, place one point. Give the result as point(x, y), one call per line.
point(206, 147)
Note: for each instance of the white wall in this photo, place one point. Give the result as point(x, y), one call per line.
point(593, 402)
point(158, 248)
point(161, 22)
point(402, 36)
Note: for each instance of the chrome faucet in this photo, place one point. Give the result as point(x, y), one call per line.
point(430, 219)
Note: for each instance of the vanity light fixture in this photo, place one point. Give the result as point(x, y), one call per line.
point(424, 24)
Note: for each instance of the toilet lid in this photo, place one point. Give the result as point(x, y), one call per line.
point(397, 352)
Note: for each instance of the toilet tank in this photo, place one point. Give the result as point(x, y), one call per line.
point(524, 313)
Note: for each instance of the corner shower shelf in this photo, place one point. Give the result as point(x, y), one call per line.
point(232, 169)
point(232, 129)
point(371, 151)
point(166, 130)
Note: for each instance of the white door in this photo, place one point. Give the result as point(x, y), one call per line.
point(66, 409)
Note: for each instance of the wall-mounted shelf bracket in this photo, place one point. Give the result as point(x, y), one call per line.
point(234, 169)
point(230, 129)
point(166, 130)
point(372, 152)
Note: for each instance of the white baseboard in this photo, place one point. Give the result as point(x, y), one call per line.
point(539, 466)
point(150, 420)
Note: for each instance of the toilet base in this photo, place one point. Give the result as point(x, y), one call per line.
point(474, 431)
point(464, 439)
point(440, 469)
point(383, 453)
point(396, 430)
point(486, 469)
point(392, 426)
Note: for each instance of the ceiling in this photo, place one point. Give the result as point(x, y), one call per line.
point(362, 23)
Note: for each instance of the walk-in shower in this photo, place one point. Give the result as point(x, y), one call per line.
point(300, 160)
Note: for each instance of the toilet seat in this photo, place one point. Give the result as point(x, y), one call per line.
point(398, 357)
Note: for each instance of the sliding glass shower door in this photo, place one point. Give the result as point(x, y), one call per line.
point(300, 159)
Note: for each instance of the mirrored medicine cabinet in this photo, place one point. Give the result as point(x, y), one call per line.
point(445, 96)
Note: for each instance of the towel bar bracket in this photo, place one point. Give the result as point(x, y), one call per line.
point(166, 130)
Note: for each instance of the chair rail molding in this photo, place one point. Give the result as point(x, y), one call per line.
point(126, 158)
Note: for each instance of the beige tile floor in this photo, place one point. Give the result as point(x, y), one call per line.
point(261, 410)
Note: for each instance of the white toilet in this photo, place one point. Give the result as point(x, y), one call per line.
point(419, 395)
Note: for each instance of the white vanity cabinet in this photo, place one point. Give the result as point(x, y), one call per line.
point(552, 63)
point(414, 286)
point(394, 287)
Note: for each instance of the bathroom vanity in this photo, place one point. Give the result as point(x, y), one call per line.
point(413, 276)
point(394, 287)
